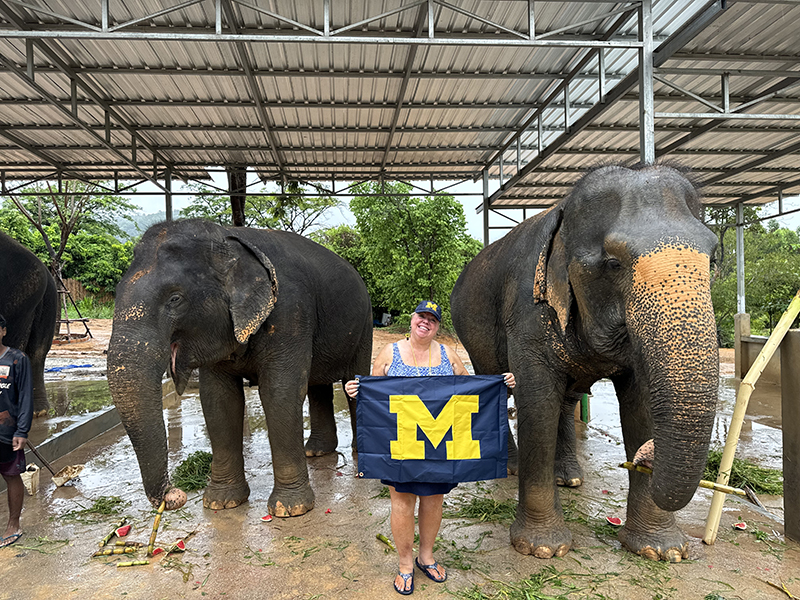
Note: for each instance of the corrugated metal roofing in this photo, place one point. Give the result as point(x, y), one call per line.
point(374, 91)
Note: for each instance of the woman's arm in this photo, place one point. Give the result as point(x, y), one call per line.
point(455, 360)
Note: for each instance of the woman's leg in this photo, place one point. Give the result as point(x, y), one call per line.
point(403, 531)
point(430, 519)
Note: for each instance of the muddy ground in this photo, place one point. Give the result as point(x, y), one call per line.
point(332, 552)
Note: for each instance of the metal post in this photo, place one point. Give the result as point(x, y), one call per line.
point(104, 14)
point(740, 304)
point(168, 193)
point(30, 67)
point(647, 126)
point(531, 21)
point(601, 74)
point(790, 413)
point(326, 18)
point(726, 92)
point(485, 208)
point(73, 94)
point(218, 17)
point(566, 107)
point(519, 153)
point(539, 126)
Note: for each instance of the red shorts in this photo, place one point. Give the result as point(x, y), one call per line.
point(11, 463)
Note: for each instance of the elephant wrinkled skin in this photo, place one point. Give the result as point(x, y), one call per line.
point(268, 306)
point(611, 282)
point(29, 302)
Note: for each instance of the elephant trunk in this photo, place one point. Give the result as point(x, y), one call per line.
point(136, 363)
point(671, 322)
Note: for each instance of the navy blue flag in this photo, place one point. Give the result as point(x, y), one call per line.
point(432, 429)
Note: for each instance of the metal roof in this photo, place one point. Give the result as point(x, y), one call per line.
point(529, 93)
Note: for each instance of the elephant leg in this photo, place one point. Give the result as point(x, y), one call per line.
point(568, 471)
point(649, 531)
point(323, 439)
point(222, 398)
point(539, 527)
point(282, 391)
point(513, 454)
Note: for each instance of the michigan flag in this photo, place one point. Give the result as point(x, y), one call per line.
point(433, 429)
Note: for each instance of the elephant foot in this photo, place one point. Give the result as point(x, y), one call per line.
point(541, 542)
point(671, 545)
point(219, 497)
point(568, 474)
point(318, 446)
point(291, 502)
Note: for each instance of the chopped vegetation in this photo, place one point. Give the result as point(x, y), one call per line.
point(485, 510)
point(193, 473)
point(384, 493)
point(744, 472)
point(547, 584)
point(102, 507)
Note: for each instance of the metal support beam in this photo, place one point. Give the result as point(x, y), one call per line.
point(485, 208)
point(168, 193)
point(647, 126)
point(740, 299)
point(252, 84)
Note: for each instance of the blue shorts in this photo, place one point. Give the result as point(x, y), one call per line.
point(11, 463)
point(420, 488)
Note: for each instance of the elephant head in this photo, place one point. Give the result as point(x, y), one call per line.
point(632, 278)
point(193, 295)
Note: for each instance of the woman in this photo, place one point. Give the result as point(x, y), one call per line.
point(419, 355)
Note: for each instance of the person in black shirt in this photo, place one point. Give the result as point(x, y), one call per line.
point(16, 412)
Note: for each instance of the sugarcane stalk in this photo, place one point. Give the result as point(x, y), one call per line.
point(110, 551)
point(710, 485)
point(106, 539)
point(133, 563)
point(156, 523)
point(128, 543)
point(385, 540)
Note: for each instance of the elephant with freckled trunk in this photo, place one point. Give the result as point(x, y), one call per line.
point(270, 306)
point(29, 302)
point(611, 282)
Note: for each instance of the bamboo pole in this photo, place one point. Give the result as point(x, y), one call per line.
point(746, 388)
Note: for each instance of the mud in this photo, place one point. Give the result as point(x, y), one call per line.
point(332, 552)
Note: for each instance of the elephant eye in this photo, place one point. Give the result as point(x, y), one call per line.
point(613, 263)
point(175, 299)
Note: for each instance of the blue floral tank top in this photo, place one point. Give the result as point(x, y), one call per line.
point(400, 369)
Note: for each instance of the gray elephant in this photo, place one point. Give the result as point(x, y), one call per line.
point(611, 282)
point(29, 302)
point(270, 306)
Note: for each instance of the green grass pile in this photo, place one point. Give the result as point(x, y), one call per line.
point(744, 472)
point(193, 473)
point(485, 510)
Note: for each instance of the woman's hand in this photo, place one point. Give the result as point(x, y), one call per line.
point(508, 379)
point(351, 388)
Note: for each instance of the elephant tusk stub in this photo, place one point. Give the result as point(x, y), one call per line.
point(173, 355)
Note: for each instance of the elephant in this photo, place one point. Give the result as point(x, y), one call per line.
point(270, 306)
point(29, 302)
point(611, 282)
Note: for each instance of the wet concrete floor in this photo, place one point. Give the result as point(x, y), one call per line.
point(332, 551)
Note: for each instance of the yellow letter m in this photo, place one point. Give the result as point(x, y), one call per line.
point(456, 415)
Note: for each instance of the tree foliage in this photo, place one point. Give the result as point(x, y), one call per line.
point(771, 268)
point(73, 229)
point(413, 248)
point(292, 211)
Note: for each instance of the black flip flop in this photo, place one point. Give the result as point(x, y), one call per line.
point(406, 577)
point(434, 566)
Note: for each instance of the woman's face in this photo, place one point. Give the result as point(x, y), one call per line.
point(424, 325)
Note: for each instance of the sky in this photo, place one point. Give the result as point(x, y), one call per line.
point(155, 203)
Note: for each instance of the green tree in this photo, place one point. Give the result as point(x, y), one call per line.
point(59, 212)
point(414, 248)
point(292, 211)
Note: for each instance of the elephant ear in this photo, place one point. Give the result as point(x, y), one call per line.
point(551, 280)
point(253, 288)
